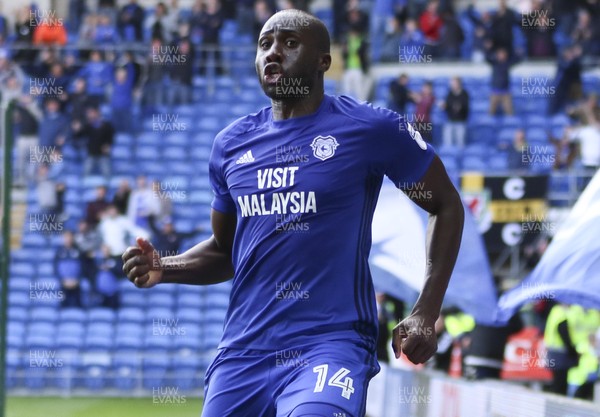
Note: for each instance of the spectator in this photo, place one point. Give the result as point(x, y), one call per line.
point(130, 22)
point(77, 9)
point(121, 198)
point(262, 13)
point(54, 128)
point(451, 37)
point(586, 34)
point(162, 24)
point(117, 233)
point(50, 31)
point(98, 76)
point(105, 32)
point(355, 80)
point(25, 117)
point(501, 64)
point(166, 239)
point(457, 110)
point(584, 142)
point(412, 44)
point(164, 205)
point(540, 31)
point(59, 81)
point(106, 281)
point(98, 134)
point(484, 355)
point(67, 268)
point(24, 37)
point(245, 16)
point(50, 200)
point(501, 29)
point(9, 69)
point(88, 241)
point(154, 78)
point(122, 100)
point(424, 101)
point(567, 80)
point(210, 21)
point(87, 30)
point(384, 317)
point(181, 75)
point(452, 328)
point(518, 151)
point(96, 207)
point(143, 203)
point(391, 43)
point(431, 24)
point(562, 352)
point(382, 15)
point(399, 94)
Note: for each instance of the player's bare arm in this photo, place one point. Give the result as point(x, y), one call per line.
point(209, 262)
point(415, 336)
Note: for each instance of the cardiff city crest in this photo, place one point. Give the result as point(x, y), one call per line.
point(324, 147)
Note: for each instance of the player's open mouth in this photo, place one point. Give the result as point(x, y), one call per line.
point(272, 73)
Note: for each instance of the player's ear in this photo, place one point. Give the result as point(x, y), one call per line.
point(324, 62)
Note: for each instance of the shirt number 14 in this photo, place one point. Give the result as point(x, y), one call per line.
point(346, 384)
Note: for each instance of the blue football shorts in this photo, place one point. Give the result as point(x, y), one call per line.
point(320, 380)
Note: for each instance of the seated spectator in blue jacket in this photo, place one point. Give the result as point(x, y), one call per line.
point(67, 267)
point(391, 42)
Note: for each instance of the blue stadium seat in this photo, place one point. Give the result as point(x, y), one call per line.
point(125, 168)
point(19, 284)
point(95, 367)
point(22, 269)
point(19, 299)
point(69, 341)
point(209, 124)
point(41, 329)
point(124, 139)
point(72, 315)
point(475, 149)
point(217, 300)
point(186, 371)
point(536, 135)
point(100, 329)
point(99, 342)
point(130, 329)
point(93, 181)
point(101, 315)
point(71, 330)
point(158, 300)
point(126, 366)
point(175, 153)
point(200, 153)
point(536, 120)
point(17, 314)
point(473, 163)
point(155, 366)
point(189, 300)
point(151, 138)
point(133, 299)
point(201, 197)
point(43, 315)
point(148, 153)
point(131, 315)
point(498, 162)
point(16, 328)
point(122, 152)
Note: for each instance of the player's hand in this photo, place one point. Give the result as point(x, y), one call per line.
point(415, 337)
point(141, 264)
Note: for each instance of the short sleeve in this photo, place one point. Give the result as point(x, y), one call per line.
point(222, 200)
point(404, 155)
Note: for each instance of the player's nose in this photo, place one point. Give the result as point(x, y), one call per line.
point(274, 54)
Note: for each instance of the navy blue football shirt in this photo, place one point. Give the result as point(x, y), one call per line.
point(304, 191)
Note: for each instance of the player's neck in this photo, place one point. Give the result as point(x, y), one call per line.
point(289, 109)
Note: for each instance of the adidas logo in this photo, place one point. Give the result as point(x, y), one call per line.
point(245, 158)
